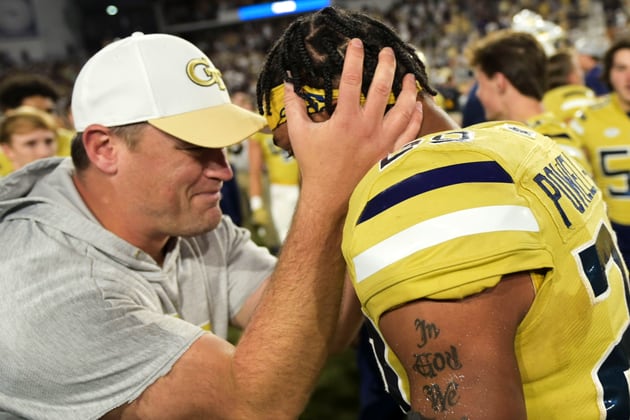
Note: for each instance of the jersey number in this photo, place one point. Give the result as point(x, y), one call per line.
point(594, 260)
point(607, 156)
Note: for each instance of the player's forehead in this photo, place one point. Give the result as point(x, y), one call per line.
point(622, 56)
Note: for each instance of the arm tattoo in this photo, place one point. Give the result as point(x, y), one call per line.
point(430, 364)
point(442, 401)
point(427, 331)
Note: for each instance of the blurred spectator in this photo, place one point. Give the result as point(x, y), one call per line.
point(605, 131)
point(566, 91)
point(591, 49)
point(27, 134)
point(445, 84)
point(39, 92)
point(28, 89)
point(512, 88)
point(472, 111)
point(272, 167)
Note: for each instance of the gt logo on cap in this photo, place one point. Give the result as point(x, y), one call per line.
point(213, 74)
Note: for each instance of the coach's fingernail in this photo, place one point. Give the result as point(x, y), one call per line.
point(356, 42)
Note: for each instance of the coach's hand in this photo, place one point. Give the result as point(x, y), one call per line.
point(335, 154)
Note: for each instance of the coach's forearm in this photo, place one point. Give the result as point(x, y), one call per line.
point(285, 346)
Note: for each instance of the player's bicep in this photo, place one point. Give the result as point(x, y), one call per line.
point(459, 355)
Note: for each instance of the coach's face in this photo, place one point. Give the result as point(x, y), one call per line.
point(175, 186)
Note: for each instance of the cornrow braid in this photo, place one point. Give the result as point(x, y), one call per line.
point(311, 53)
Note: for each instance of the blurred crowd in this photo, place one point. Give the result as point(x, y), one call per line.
point(440, 29)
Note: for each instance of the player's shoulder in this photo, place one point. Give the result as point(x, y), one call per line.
point(550, 125)
point(506, 143)
point(485, 131)
point(601, 105)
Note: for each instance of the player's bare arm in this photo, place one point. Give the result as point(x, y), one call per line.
point(459, 355)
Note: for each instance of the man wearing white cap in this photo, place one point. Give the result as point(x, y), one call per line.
point(591, 49)
point(120, 276)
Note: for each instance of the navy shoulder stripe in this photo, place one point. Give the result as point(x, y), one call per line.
point(423, 182)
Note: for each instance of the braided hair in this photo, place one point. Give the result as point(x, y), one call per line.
point(311, 53)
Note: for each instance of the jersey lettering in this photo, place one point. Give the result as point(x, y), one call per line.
point(563, 179)
point(452, 136)
point(399, 153)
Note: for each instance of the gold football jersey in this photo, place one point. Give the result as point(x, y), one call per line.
point(564, 101)
point(605, 132)
point(281, 168)
point(64, 142)
point(450, 213)
point(549, 125)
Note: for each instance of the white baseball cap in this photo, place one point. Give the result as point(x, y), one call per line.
point(163, 80)
point(594, 45)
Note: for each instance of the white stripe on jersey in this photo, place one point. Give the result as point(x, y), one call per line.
point(439, 230)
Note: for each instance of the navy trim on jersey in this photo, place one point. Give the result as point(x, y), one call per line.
point(423, 182)
point(559, 136)
point(389, 375)
point(623, 240)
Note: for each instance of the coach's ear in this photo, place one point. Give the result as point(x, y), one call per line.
point(101, 150)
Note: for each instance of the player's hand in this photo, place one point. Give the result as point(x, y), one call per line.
point(260, 217)
point(335, 154)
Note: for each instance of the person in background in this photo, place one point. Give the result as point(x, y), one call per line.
point(120, 268)
point(472, 111)
point(511, 88)
point(27, 134)
point(591, 49)
point(268, 161)
point(482, 256)
point(566, 92)
point(37, 91)
point(231, 197)
point(256, 219)
point(604, 128)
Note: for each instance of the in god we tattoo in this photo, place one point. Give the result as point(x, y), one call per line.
point(428, 331)
point(442, 400)
point(430, 364)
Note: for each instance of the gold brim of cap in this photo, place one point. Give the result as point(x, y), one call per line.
point(215, 127)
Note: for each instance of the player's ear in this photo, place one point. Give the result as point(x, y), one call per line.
point(320, 116)
point(501, 82)
point(7, 150)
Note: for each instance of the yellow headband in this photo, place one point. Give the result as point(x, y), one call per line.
point(315, 102)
